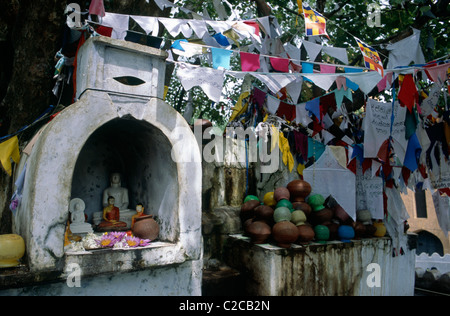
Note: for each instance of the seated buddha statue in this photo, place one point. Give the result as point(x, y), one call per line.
point(111, 217)
point(139, 213)
point(119, 193)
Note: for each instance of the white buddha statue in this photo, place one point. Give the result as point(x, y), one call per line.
point(78, 223)
point(119, 193)
point(121, 201)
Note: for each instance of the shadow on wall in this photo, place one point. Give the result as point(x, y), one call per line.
point(429, 243)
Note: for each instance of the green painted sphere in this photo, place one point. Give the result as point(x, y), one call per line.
point(285, 203)
point(316, 201)
point(250, 198)
point(282, 214)
point(322, 233)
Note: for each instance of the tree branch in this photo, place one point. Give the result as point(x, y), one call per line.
point(263, 8)
point(329, 15)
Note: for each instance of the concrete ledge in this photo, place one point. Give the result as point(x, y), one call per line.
point(334, 268)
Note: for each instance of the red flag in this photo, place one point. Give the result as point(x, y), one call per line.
point(97, 8)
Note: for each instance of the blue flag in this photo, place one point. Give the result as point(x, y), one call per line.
point(221, 58)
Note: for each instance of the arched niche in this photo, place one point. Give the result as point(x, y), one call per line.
point(141, 153)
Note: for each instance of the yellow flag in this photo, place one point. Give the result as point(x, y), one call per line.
point(300, 10)
point(300, 6)
point(288, 159)
point(9, 150)
point(240, 108)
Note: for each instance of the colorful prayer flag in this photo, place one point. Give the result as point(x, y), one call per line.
point(279, 64)
point(9, 149)
point(249, 61)
point(221, 58)
point(371, 58)
point(315, 22)
point(300, 10)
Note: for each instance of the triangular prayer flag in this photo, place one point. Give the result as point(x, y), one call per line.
point(350, 84)
point(408, 95)
point(272, 104)
point(96, 7)
point(315, 148)
point(438, 73)
point(372, 60)
point(280, 64)
point(177, 44)
point(240, 108)
point(104, 30)
point(232, 35)
point(221, 58)
point(312, 49)
point(315, 22)
point(287, 111)
point(249, 61)
point(302, 116)
point(413, 153)
point(313, 106)
point(255, 25)
point(221, 39)
point(340, 94)
point(341, 83)
point(259, 96)
point(9, 149)
point(336, 52)
point(149, 24)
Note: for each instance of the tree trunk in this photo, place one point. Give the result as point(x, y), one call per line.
point(31, 32)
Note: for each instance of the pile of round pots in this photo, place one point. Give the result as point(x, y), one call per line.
point(292, 215)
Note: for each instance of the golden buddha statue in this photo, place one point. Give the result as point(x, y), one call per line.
point(111, 217)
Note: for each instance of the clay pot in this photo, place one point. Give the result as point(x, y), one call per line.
point(12, 248)
point(282, 214)
point(246, 225)
point(264, 213)
point(321, 217)
point(381, 229)
point(281, 193)
point(364, 216)
point(269, 199)
point(259, 231)
point(285, 203)
point(298, 218)
point(322, 233)
point(284, 233)
point(251, 197)
point(305, 234)
point(302, 206)
point(316, 202)
point(146, 227)
point(299, 190)
point(346, 233)
point(360, 229)
point(370, 231)
point(333, 228)
point(341, 215)
point(248, 209)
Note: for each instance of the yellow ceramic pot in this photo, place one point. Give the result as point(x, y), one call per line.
point(269, 199)
point(12, 248)
point(381, 229)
